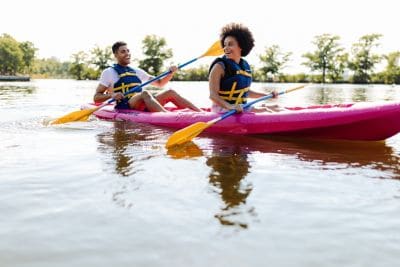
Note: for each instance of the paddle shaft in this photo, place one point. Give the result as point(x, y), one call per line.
point(233, 111)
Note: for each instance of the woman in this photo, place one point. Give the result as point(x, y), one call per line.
point(230, 75)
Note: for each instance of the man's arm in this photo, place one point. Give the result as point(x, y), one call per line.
point(166, 79)
point(102, 93)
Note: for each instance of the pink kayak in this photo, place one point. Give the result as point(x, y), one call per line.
point(366, 121)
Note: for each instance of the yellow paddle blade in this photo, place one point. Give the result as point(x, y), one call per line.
point(215, 50)
point(80, 115)
point(186, 134)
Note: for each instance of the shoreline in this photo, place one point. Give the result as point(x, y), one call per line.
point(12, 78)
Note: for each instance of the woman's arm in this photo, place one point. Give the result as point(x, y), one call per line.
point(256, 94)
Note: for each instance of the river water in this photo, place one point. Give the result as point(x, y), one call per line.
point(101, 193)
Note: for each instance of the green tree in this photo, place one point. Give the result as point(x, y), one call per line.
point(323, 59)
point(339, 64)
point(156, 52)
point(101, 58)
point(11, 55)
point(193, 74)
point(392, 70)
point(51, 68)
point(28, 57)
point(78, 65)
point(273, 61)
point(363, 59)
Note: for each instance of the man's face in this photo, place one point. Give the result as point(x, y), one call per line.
point(123, 55)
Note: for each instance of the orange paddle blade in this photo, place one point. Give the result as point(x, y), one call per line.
point(80, 115)
point(186, 134)
point(215, 50)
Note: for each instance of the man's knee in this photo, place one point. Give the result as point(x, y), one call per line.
point(170, 92)
point(146, 95)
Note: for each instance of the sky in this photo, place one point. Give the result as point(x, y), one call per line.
point(61, 28)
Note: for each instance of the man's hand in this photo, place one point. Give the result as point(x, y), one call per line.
point(118, 96)
point(173, 69)
point(275, 94)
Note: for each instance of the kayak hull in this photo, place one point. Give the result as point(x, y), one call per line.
point(354, 121)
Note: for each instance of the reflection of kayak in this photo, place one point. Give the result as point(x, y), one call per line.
point(356, 121)
point(334, 154)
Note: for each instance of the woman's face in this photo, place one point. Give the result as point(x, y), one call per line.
point(232, 49)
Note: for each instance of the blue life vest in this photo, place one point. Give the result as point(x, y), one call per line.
point(235, 84)
point(127, 80)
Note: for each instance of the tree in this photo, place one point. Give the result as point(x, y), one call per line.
point(338, 66)
point(392, 71)
point(363, 60)
point(28, 55)
point(101, 58)
point(193, 74)
point(78, 65)
point(323, 59)
point(273, 61)
point(154, 48)
point(11, 56)
point(51, 68)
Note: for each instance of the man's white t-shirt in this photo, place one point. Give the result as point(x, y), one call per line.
point(109, 76)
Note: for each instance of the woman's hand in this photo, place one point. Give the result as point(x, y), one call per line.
point(238, 108)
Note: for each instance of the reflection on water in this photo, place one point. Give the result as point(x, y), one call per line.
point(327, 95)
point(341, 93)
point(390, 93)
point(359, 94)
point(128, 143)
point(230, 165)
point(324, 154)
point(187, 150)
point(15, 91)
point(229, 168)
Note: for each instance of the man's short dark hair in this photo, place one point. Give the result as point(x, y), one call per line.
point(117, 45)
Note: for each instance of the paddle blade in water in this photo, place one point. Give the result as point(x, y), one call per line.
point(215, 50)
point(186, 134)
point(80, 115)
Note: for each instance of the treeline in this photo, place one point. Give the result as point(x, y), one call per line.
point(328, 62)
point(15, 57)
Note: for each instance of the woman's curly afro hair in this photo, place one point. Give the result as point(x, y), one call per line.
point(241, 33)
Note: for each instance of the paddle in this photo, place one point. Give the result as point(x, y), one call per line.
point(83, 115)
point(188, 133)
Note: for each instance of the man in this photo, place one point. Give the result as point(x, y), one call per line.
point(115, 81)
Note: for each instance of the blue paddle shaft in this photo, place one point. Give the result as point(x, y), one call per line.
point(137, 88)
point(233, 111)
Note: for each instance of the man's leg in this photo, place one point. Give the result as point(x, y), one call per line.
point(144, 100)
point(170, 95)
